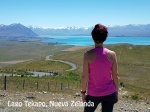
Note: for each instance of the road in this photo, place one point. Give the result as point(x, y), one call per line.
point(40, 74)
point(74, 67)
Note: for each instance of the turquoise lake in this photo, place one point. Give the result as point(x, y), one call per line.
point(87, 40)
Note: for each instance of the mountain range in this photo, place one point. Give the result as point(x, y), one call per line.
point(127, 30)
point(18, 30)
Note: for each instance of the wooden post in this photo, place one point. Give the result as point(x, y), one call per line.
point(48, 86)
point(68, 85)
point(5, 82)
point(61, 86)
point(37, 85)
point(12, 72)
point(55, 85)
point(23, 83)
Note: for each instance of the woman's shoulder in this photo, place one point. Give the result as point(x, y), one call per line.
point(111, 55)
point(110, 51)
point(89, 53)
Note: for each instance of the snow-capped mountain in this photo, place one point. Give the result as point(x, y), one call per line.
point(60, 30)
point(127, 30)
point(130, 30)
point(16, 30)
point(57, 28)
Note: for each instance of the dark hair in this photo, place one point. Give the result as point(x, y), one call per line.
point(99, 33)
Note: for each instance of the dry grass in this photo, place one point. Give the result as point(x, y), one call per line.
point(13, 50)
point(38, 65)
point(133, 65)
point(46, 83)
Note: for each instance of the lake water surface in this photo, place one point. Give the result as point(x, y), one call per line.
point(87, 40)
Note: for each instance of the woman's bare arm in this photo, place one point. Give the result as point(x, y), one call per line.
point(115, 70)
point(85, 75)
point(112, 57)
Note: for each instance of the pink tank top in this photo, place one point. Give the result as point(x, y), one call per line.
point(100, 79)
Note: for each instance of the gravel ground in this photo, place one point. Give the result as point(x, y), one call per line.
point(48, 102)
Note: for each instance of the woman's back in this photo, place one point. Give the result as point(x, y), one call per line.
point(100, 79)
point(100, 73)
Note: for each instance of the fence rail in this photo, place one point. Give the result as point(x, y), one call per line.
point(35, 84)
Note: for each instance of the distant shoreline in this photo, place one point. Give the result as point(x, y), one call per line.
point(87, 40)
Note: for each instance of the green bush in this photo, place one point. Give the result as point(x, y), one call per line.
point(135, 96)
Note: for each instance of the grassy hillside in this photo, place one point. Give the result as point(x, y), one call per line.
point(133, 65)
point(13, 50)
point(39, 65)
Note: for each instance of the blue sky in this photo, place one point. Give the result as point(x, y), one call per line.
point(79, 13)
